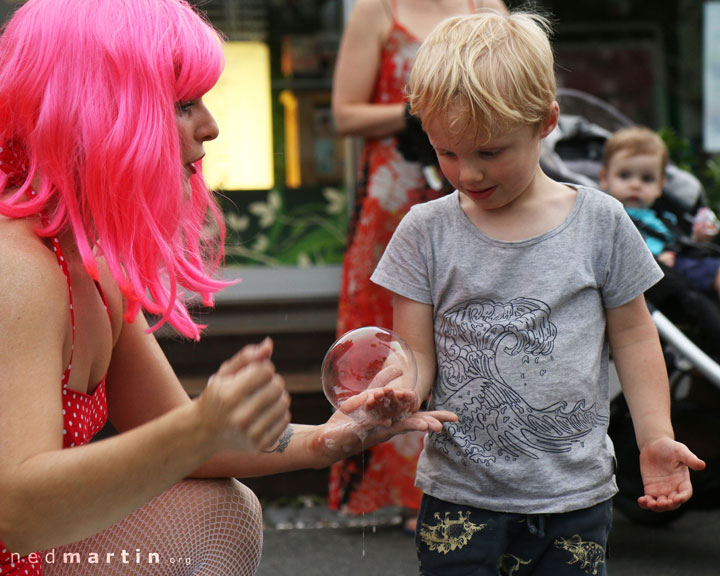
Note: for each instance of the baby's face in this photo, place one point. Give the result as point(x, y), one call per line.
point(635, 180)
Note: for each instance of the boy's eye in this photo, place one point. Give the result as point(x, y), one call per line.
point(624, 175)
point(488, 153)
point(648, 178)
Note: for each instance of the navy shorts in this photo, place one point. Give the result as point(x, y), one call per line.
point(458, 540)
point(699, 272)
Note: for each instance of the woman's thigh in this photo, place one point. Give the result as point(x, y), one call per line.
point(198, 527)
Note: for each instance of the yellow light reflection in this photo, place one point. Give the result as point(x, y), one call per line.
point(292, 139)
point(242, 156)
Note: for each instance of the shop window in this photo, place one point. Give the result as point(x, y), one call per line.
point(278, 165)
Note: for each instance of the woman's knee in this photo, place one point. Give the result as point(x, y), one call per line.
point(227, 520)
point(223, 500)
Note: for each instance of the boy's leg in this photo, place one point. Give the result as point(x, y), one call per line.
point(569, 544)
point(457, 540)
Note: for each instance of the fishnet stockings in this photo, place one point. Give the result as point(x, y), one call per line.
point(197, 527)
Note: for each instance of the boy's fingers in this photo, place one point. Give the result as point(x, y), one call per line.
point(385, 376)
point(442, 415)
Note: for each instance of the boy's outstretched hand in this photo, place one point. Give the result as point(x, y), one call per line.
point(665, 467)
point(375, 416)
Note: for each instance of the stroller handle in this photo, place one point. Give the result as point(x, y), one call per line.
point(700, 361)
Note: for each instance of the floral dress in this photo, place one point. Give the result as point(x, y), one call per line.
point(387, 188)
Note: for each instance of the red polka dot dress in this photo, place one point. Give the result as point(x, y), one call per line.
point(84, 415)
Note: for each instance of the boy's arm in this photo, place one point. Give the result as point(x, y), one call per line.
point(413, 321)
point(640, 365)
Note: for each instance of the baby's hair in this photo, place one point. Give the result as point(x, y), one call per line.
point(636, 140)
point(88, 95)
point(499, 68)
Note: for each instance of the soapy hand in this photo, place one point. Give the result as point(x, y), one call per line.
point(375, 416)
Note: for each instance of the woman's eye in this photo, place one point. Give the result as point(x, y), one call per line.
point(184, 107)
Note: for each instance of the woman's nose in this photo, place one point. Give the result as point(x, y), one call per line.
point(207, 129)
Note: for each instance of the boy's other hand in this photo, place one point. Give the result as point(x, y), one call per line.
point(665, 467)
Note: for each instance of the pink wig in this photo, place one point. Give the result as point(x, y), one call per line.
point(88, 94)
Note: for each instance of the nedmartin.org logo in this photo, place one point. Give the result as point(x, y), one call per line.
point(120, 557)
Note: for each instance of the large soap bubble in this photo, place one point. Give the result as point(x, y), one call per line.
point(365, 358)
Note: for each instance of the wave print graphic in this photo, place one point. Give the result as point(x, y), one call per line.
point(496, 421)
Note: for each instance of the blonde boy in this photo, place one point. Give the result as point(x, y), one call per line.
point(510, 292)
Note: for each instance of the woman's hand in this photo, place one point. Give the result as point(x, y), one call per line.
point(375, 416)
point(246, 405)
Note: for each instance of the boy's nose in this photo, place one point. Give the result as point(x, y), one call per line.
point(470, 176)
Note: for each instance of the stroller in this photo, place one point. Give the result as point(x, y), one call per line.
point(688, 322)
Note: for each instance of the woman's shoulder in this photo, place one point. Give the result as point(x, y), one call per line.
point(29, 268)
point(372, 19)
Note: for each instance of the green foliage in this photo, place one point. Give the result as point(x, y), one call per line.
point(705, 168)
point(292, 227)
point(679, 149)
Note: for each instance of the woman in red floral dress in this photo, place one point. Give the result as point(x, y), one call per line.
point(373, 64)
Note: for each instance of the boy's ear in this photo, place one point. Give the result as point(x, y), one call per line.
point(551, 120)
point(602, 178)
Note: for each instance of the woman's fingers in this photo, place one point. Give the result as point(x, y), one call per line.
point(247, 355)
point(249, 408)
point(270, 414)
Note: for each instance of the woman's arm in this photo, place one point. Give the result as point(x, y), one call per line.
point(52, 496)
point(498, 5)
point(149, 381)
point(356, 71)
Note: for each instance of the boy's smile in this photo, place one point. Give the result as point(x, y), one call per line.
point(481, 194)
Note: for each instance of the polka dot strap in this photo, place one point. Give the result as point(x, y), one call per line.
point(84, 415)
point(63, 265)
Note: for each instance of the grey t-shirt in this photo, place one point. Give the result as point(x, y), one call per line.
point(521, 350)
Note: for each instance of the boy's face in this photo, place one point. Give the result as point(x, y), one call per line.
point(635, 180)
point(492, 174)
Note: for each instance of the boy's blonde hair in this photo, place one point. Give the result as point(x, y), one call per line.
point(635, 140)
point(498, 67)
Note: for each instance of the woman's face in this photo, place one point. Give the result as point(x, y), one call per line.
point(195, 127)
